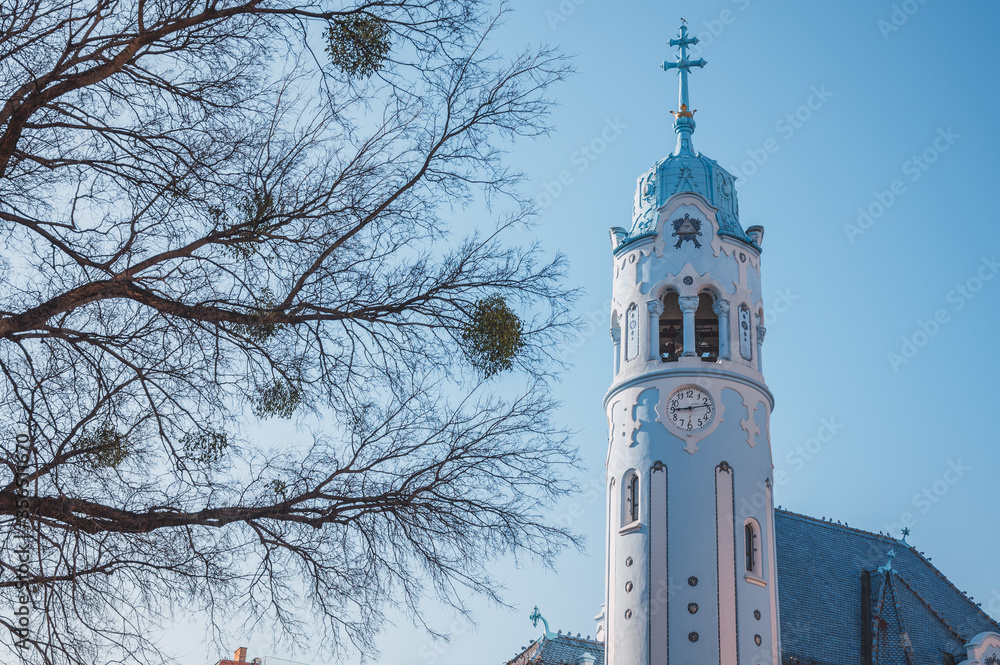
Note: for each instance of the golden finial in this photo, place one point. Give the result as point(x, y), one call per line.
point(684, 113)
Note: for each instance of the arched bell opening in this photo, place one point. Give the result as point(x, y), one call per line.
point(706, 329)
point(671, 329)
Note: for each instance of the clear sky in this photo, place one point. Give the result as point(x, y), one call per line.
point(822, 109)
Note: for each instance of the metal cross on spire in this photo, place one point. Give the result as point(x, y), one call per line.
point(683, 65)
point(684, 117)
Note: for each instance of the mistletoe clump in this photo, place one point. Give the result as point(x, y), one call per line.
point(492, 336)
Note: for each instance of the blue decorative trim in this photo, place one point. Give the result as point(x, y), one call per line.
point(633, 239)
point(650, 377)
point(745, 239)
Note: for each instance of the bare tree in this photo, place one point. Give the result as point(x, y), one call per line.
point(214, 209)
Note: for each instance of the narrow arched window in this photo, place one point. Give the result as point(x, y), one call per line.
point(752, 548)
point(671, 329)
point(706, 329)
point(632, 498)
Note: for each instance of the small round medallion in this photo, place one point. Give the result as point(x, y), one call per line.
point(693, 581)
point(628, 587)
point(628, 614)
point(628, 561)
point(743, 257)
point(693, 636)
point(756, 615)
point(757, 640)
point(689, 280)
point(631, 258)
point(692, 607)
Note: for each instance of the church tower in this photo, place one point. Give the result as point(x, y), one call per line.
point(690, 552)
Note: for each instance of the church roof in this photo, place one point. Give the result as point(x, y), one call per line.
point(560, 650)
point(821, 566)
point(918, 617)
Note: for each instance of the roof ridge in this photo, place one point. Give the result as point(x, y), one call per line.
point(577, 638)
point(952, 585)
point(835, 525)
point(933, 611)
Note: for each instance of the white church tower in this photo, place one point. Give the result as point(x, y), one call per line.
point(690, 575)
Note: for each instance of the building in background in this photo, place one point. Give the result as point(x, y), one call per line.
point(701, 568)
point(239, 656)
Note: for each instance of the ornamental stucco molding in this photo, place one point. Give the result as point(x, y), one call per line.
point(694, 205)
point(688, 303)
point(982, 649)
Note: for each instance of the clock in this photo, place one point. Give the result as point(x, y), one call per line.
point(690, 409)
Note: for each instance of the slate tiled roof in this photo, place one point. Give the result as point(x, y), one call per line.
point(820, 567)
point(560, 650)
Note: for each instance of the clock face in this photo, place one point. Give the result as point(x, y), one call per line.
point(690, 409)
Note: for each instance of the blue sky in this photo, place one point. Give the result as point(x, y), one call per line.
point(826, 110)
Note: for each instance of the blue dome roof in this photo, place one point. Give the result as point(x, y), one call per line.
point(682, 173)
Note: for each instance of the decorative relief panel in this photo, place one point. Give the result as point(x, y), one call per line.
point(746, 346)
point(644, 417)
point(632, 332)
point(623, 426)
point(644, 207)
point(686, 228)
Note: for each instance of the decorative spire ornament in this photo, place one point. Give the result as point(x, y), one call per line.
point(535, 617)
point(684, 118)
point(887, 568)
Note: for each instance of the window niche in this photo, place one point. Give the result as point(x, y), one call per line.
point(631, 500)
point(671, 329)
point(752, 552)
